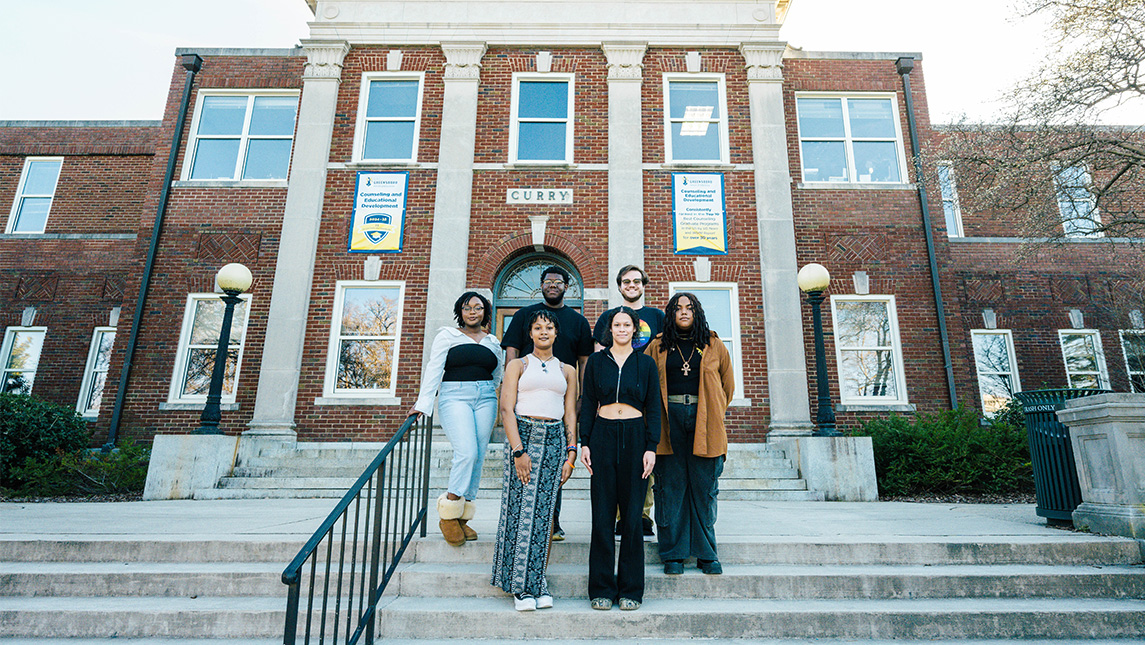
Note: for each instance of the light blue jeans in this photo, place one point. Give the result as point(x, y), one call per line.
point(467, 410)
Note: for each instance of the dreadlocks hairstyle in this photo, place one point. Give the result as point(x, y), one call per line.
point(542, 314)
point(486, 317)
point(621, 310)
point(699, 332)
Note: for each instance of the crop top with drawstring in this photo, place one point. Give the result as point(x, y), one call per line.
point(636, 383)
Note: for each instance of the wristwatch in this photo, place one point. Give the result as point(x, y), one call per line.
point(518, 453)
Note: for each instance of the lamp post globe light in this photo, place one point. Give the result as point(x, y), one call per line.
point(813, 280)
point(233, 279)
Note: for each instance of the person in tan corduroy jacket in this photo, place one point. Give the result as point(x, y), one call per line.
point(696, 385)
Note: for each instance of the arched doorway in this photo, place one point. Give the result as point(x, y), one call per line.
point(519, 285)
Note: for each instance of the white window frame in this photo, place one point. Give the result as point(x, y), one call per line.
point(363, 105)
point(895, 347)
point(737, 343)
point(722, 120)
point(948, 190)
point(192, 146)
point(1063, 196)
point(848, 140)
point(89, 372)
point(175, 392)
point(6, 352)
point(330, 388)
point(515, 121)
point(1125, 354)
point(21, 195)
point(1013, 373)
point(1102, 372)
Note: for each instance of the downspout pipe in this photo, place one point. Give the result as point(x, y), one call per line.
point(904, 66)
point(192, 63)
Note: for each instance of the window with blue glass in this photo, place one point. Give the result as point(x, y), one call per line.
point(242, 136)
point(850, 139)
point(389, 118)
point(542, 128)
point(695, 119)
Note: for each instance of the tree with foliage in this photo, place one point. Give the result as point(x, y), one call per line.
point(1048, 165)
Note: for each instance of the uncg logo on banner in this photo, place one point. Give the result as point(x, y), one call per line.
point(376, 226)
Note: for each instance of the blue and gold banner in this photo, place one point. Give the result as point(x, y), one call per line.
point(699, 218)
point(378, 221)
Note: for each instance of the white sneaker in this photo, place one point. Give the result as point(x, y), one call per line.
point(544, 602)
point(524, 602)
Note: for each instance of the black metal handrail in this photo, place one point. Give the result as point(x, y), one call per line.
point(372, 526)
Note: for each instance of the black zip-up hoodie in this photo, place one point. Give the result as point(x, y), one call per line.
point(637, 383)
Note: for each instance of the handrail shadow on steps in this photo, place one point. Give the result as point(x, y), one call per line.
point(361, 543)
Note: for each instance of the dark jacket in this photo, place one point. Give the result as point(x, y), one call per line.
point(636, 383)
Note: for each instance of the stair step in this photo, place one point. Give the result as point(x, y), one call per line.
point(724, 618)
point(141, 579)
point(278, 552)
point(810, 581)
point(177, 617)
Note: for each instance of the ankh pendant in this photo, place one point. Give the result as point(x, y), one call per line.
point(686, 368)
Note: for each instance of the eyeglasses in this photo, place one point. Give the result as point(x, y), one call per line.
point(552, 283)
point(472, 310)
point(636, 281)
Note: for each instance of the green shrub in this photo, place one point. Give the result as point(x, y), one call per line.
point(951, 452)
point(31, 427)
point(84, 472)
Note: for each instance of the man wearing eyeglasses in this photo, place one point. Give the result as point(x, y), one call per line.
point(631, 280)
point(573, 345)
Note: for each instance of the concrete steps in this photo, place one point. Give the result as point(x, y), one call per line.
point(87, 591)
point(755, 472)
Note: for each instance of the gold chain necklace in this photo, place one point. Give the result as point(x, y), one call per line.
point(687, 367)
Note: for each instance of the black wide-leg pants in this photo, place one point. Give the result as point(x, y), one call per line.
point(686, 489)
point(617, 447)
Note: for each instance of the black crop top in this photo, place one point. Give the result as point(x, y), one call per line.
point(469, 362)
point(637, 383)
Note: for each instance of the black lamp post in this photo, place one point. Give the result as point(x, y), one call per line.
point(813, 280)
point(233, 279)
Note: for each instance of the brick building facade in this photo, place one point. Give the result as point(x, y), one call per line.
point(812, 150)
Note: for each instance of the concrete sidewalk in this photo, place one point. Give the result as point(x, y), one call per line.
point(739, 521)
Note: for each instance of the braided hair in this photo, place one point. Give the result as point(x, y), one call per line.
point(699, 333)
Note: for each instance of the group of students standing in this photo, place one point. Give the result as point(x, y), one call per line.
point(652, 399)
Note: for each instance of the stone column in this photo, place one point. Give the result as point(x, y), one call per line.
point(294, 272)
point(625, 161)
point(1107, 434)
point(782, 319)
point(449, 248)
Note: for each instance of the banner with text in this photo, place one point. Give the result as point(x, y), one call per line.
point(699, 219)
point(378, 221)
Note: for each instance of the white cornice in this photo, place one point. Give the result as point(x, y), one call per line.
point(720, 23)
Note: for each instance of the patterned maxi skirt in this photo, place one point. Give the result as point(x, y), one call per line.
point(524, 531)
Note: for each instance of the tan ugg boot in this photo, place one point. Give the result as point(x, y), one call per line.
point(450, 510)
point(470, 509)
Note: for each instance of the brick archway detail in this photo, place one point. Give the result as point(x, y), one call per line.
point(495, 258)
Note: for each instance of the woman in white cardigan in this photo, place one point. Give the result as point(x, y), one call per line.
point(463, 374)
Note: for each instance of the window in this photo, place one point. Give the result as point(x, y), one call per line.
point(720, 301)
point(867, 350)
point(241, 136)
point(1076, 203)
point(34, 195)
point(202, 324)
point(1133, 346)
point(95, 372)
point(948, 186)
point(363, 354)
point(542, 128)
point(997, 368)
point(1084, 359)
point(21, 352)
point(389, 117)
point(695, 119)
point(850, 139)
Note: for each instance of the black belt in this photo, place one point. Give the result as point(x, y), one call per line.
point(686, 399)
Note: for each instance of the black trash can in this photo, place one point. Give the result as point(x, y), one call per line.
point(1056, 487)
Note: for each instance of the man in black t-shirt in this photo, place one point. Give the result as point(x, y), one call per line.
point(631, 280)
point(573, 345)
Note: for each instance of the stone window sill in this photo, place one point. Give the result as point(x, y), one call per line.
point(847, 185)
point(358, 400)
point(875, 407)
point(229, 183)
point(226, 407)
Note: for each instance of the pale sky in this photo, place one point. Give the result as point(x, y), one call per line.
point(113, 59)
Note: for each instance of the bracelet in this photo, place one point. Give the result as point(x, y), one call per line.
point(572, 464)
point(571, 448)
